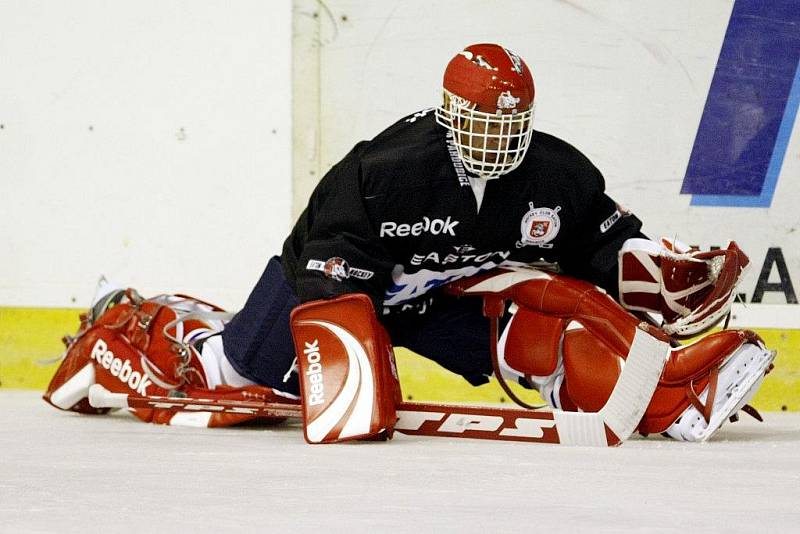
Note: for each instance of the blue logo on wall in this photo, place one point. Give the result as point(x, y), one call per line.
point(751, 107)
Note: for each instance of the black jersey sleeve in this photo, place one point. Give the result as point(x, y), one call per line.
point(604, 228)
point(334, 249)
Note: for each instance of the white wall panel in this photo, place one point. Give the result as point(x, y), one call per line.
point(625, 81)
point(149, 141)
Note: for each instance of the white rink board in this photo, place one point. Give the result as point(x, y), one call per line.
point(625, 81)
point(148, 141)
point(69, 473)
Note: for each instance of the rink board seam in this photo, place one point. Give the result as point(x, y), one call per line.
point(29, 337)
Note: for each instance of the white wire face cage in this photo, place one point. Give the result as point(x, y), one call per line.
point(489, 144)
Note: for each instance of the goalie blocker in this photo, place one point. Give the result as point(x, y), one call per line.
point(348, 377)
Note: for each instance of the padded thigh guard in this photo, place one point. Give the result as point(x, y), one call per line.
point(348, 378)
point(560, 320)
point(566, 322)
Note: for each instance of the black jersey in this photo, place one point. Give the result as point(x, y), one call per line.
point(398, 217)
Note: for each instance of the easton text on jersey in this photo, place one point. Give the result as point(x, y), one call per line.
point(434, 257)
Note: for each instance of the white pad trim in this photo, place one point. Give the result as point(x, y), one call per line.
point(192, 419)
point(75, 389)
point(503, 281)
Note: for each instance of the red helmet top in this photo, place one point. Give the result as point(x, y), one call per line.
point(488, 109)
point(492, 77)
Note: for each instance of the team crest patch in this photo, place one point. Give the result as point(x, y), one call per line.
point(539, 226)
point(337, 269)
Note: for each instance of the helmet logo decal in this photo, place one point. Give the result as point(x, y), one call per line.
point(478, 60)
point(481, 62)
point(507, 101)
point(516, 61)
point(539, 226)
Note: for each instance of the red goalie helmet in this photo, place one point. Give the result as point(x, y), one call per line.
point(488, 108)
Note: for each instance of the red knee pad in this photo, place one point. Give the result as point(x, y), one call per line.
point(532, 342)
point(591, 369)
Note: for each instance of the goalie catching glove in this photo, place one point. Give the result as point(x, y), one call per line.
point(149, 348)
point(691, 290)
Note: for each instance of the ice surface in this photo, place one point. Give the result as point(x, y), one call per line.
point(62, 472)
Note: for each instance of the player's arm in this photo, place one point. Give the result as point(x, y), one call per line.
point(334, 249)
point(691, 290)
point(603, 226)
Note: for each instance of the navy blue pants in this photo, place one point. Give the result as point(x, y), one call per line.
point(450, 331)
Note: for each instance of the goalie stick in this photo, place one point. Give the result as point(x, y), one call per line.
point(100, 396)
point(612, 425)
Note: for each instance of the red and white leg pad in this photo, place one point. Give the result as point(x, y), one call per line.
point(348, 378)
point(703, 384)
point(145, 348)
point(572, 342)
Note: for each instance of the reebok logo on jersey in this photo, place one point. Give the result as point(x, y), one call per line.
point(426, 225)
point(119, 368)
point(316, 389)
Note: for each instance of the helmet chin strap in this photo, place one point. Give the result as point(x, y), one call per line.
point(482, 177)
